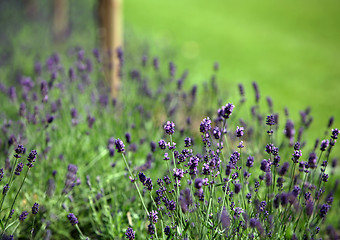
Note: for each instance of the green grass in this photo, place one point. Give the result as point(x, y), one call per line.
point(291, 48)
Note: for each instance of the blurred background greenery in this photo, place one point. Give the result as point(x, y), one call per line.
point(290, 48)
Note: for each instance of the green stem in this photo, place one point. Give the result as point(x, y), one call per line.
point(140, 195)
point(9, 183)
point(32, 228)
point(80, 232)
point(16, 196)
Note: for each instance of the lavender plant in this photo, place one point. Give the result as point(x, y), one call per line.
point(206, 196)
point(144, 164)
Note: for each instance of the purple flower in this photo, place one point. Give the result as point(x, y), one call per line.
point(151, 229)
point(309, 207)
point(225, 219)
point(18, 169)
point(172, 147)
point(239, 131)
point(148, 184)
point(178, 173)
point(324, 144)
point(234, 176)
point(257, 94)
point(269, 148)
point(23, 216)
point(166, 157)
point(205, 169)
point(334, 163)
point(71, 178)
point(296, 191)
point(167, 230)
point(1, 174)
point(265, 166)
point(289, 131)
point(185, 199)
point(297, 146)
point(120, 145)
point(324, 209)
point(228, 170)
point(90, 121)
point(250, 162)
point(169, 128)
point(268, 179)
point(153, 146)
point(217, 132)
point(74, 113)
point(172, 69)
point(128, 137)
point(235, 156)
point(153, 216)
point(226, 111)
point(192, 164)
point(296, 155)
point(253, 222)
point(35, 208)
point(142, 177)
point(312, 160)
point(276, 201)
point(205, 125)
point(325, 177)
point(284, 198)
point(162, 144)
point(241, 89)
point(12, 93)
point(270, 121)
point(19, 150)
point(167, 180)
point(237, 188)
point(171, 205)
point(73, 219)
point(44, 91)
point(248, 196)
point(5, 189)
point(130, 234)
point(156, 64)
point(262, 206)
point(335, 133)
point(49, 119)
point(270, 103)
point(198, 183)
point(71, 74)
point(31, 158)
point(187, 142)
point(22, 110)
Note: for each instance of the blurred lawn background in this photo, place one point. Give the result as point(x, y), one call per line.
point(290, 48)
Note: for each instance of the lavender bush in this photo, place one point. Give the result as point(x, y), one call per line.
point(162, 160)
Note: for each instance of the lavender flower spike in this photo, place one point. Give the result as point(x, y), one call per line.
point(130, 234)
point(120, 145)
point(73, 219)
point(239, 131)
point(23, 216)
point(35, 208)
point(169, 128)
point(18, 169)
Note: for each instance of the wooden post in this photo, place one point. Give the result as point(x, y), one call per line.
point(31, 9)
point(60, 19)
point(111, 37)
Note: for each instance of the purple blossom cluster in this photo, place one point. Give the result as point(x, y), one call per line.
point(223, 184)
